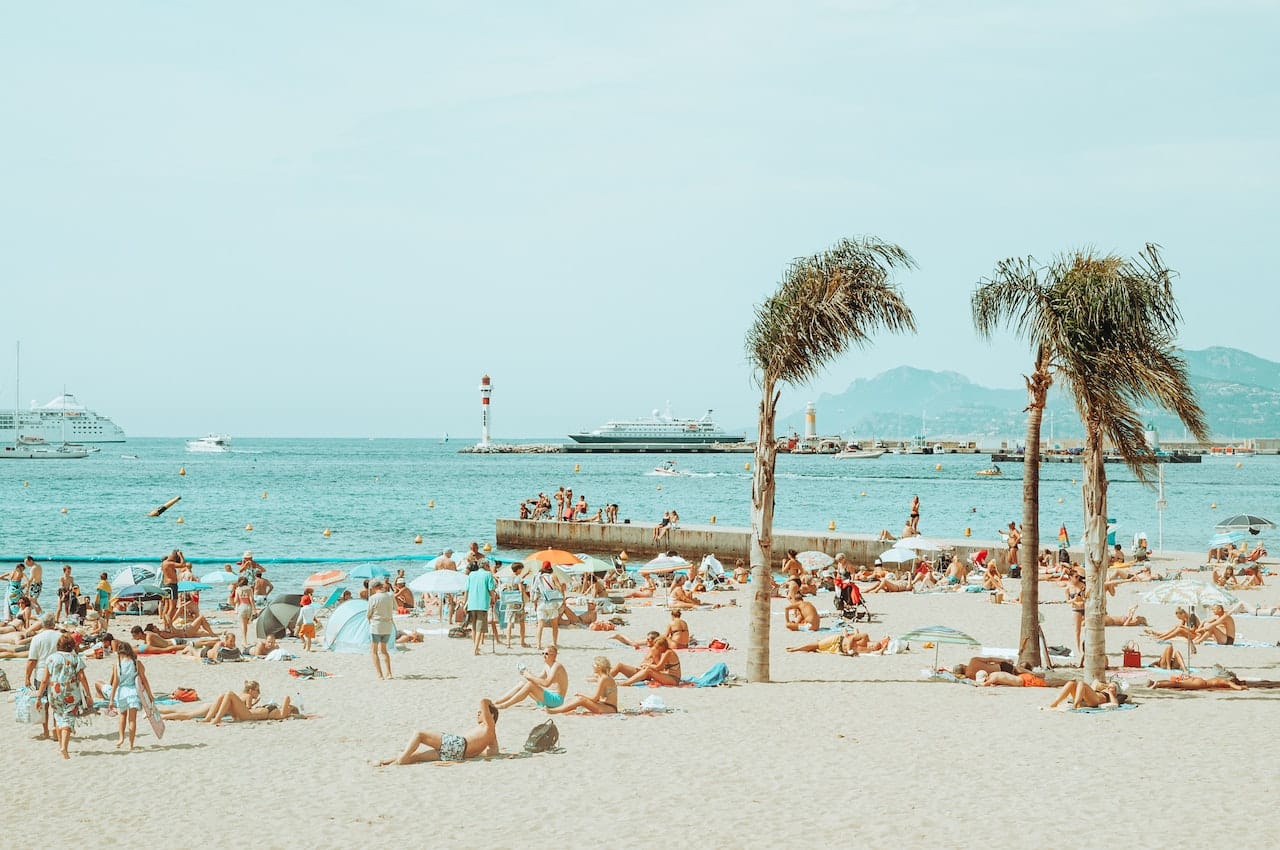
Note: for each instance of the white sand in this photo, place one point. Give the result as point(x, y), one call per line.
point(839, 751)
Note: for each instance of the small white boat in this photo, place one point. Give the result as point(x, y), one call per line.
point(990, 472)
point(43, 451)
point(668, 468)
point(210, 443)
point(855, 453)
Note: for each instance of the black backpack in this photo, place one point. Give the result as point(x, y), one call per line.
point(542, 737)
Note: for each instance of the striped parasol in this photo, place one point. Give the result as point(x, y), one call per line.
point(938, 635)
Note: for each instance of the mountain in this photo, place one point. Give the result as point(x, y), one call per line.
point(1240, 394)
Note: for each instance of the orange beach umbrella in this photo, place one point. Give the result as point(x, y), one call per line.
point(557, 557)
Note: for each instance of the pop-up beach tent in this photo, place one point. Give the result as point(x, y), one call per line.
point(348, 628)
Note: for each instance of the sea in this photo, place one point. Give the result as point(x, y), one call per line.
point(277, 497)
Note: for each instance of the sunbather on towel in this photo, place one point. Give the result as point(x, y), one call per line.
point(681, 598)
point(547, 690)
point(800, 613)
point(1097, 695)
point(443, 746)
point(604, 700)
point(1221, 627)
point(888, 585)
point(230, 704)
point(1197, 683)
point(1131, 618)
point(661, 665)
point(850, 643)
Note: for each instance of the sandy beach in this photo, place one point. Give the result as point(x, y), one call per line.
point(858, 751)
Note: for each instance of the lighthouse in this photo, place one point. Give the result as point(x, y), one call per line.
point(486, 390)
point(810, 422)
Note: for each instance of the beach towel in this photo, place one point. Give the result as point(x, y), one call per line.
point(309, 673)
point(716, 675)
point(1128, 706)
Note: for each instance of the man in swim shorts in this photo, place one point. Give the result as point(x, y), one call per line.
point(547, 690)
point(800, 614)
point(444, 746)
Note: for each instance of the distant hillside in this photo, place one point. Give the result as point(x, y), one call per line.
point(1240, 394)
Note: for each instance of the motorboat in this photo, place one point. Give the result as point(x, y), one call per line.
point(991, 471)
point(668, 468)
point(210, 443)
point(43, 451)
point(854, 452)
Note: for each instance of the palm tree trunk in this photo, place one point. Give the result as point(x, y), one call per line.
point(763, 488)
point(1029, 638)
point(1094, 493)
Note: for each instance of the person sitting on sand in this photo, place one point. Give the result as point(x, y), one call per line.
point(660, 665)
point(547, 689)
point(800, 614)
point(681, 598)
point(1198, 683)
point(1170, 659)
point(197, 627)
point(1225, 576)
point(445, 747)
point(1131, 618)
point(888, 585)
point(991, 578)
point(1182, 630)
point(741, 574)
point(677, 635)
point(647, 643)
point(1097, 695)
point(605, 698)
point(849, 643)
point(570, 617)
point(1222, 628)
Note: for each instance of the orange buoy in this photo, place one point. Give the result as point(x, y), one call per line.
point(182, 470)
point(713, 519)
point(968, 531)
point(181, 520)
point(418, 539)
point(326, 533)
point(831, 526)
point(248, 527)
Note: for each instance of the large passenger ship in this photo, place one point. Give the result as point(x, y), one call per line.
point(63, 420)
point(659, 429)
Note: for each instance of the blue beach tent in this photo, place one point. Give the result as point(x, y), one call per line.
point(348, 628)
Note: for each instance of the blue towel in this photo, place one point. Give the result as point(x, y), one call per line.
point(714, 676)
point(1126, 707)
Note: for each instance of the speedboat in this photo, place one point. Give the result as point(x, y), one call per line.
point(854, 452)
point(668, 468)
point(210, 443)
point(991, 471)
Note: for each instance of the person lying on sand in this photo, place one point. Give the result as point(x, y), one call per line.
point(570, 617)
point(222, 649)
point(1131, 618)
point(604, 700)
point(888, 585)
point(1097, 695)
point(446, 747)
point(149, 640)
point(998, 678)
point(1197, 683)
point(197, 627)
point(850, 643)
point(230, 704)
point(661, 665)
point(249, 695)
point(265, 647)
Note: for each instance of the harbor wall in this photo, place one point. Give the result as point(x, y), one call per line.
point(693, 541)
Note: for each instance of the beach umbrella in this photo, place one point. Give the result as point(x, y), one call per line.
point(218, 577)
point(439, 582)
point(1189, 592)
point(588, 564)
point(557, 557)
point(1244, 522)
point(939, 635)
point(324, 578)
point(897, 556)
point(190, 586)
point(916, 544)
point(370, 571)
point(278, 617)
point(814, 560)
point(664, 564)
point(132, 575)
point(532, 568)
point(138, 591)
point(1222, 538)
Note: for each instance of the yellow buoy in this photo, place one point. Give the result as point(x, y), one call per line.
point(431, 503)
point(418, 539)
point(326, 533)
point(863, 493)
point(1073, 481)
point(488, 548)
point(1238, 465)
point(248, 527)
point(1059, 500)
point(713, 519)
point(182, 470)
point(26, 483)
point(264, 494)
point(622, 556)
point(747, 467)
point(967, 531)
point(64, 510)
point(577, 467)
point(831, 526)
point(181, 520)
point(1214, 506)
point(937, 467)
point(659, 486)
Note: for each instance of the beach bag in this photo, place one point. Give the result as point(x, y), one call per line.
point(25, 709)
point(542, 737)
point(185, 695)
point(718, 643)
point(1132, 656)
point(4, 682)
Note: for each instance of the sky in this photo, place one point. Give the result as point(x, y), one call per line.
point(327, 219)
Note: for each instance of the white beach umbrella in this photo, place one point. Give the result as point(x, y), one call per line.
point(136, 574)
point(218, 577)
point(439, 582)
point(916, 544)
point(897, 556)
point(664, 564)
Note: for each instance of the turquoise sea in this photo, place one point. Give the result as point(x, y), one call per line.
point(376, 495)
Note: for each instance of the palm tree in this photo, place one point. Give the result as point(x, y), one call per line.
point(825, 304)
point(1104, 327)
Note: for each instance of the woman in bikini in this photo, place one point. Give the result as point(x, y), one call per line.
point(242, 710)
point(1199, 683)
point(664, 669)
point(853, 643)
point(603, 701)
point(1088, 696)
point(1075, 598)
point(243, 594)
point(1182, 630)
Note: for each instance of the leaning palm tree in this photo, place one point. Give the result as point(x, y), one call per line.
point(825, 305)
point(1107, 326)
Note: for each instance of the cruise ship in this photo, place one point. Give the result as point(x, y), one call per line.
point(660, 429)
point(63, 420)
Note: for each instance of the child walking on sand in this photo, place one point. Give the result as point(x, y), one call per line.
point(127, 677)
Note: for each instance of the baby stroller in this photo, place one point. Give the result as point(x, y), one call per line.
point(850, 606)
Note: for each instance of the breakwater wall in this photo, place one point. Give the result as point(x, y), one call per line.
point(693, 541)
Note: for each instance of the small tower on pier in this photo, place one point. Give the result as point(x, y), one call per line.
point(810, 421)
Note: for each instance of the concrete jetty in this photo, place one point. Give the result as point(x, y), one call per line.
point(693, 541)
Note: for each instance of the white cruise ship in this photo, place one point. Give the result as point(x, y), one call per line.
point(63, 420)
point(661, 429)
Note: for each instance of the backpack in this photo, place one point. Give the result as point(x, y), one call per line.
point(4, 681)
point(542, 737)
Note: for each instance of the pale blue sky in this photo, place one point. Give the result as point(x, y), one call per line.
point(322, 219)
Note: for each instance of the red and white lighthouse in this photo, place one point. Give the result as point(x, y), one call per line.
point(486, 390)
